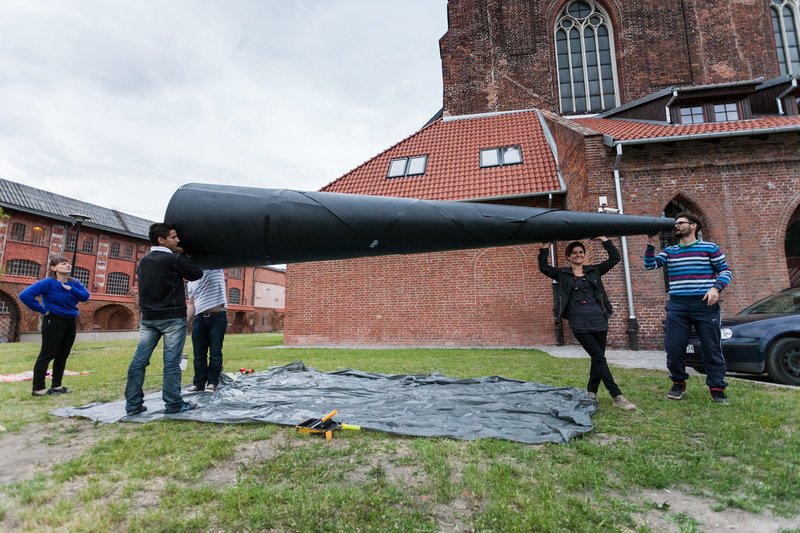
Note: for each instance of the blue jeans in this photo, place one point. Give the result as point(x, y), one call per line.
point(682, 313)
point(150, 332)
point(208, 333)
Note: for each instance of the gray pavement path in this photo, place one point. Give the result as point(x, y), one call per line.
point(650, 359)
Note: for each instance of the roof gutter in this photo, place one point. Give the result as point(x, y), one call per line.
point(780, 97)
point(608, 140)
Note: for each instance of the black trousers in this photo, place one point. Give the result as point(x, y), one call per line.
point(594, 342)
point(58, 335)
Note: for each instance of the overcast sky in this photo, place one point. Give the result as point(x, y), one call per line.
point(120, 103)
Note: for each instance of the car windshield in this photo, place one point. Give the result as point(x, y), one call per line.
point(782, 302)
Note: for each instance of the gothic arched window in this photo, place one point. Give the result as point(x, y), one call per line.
point(587, 73)
point(785, 24)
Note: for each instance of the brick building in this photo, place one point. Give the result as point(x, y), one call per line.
point(38, 225)
point(645, 107)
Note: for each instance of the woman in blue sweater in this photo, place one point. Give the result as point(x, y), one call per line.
point(60, 296)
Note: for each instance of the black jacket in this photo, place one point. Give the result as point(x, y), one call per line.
point(593, 274)
point(161, 292)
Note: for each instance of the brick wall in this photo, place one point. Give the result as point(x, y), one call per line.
point(500, 55)
point(746, 191)
point(103, 311)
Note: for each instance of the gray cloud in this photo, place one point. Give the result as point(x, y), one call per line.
point(121, 103)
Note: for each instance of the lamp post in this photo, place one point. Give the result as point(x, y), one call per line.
point(78, 220)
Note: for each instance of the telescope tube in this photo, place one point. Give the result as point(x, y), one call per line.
point(223, 226)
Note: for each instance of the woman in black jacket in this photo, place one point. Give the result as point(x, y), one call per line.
point(582, 300)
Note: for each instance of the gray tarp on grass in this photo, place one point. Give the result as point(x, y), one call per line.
point(422, 405)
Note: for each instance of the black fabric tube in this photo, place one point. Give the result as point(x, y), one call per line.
point(224, 226)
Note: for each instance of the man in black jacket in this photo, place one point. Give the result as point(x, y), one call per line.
point(162, 304)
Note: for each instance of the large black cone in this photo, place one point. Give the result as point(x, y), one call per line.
point(225, 226)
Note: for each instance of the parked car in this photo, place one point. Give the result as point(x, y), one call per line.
point(765, 337)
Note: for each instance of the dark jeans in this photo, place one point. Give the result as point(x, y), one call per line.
point(208, 332)
point(594, 342)
point(58, 335)
point(683, 312)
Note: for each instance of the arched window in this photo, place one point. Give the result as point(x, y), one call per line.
point(587, 72)
point(82, 275)
point(234, 296)
point(786, 28)
point(23, 267)
point(118, 283)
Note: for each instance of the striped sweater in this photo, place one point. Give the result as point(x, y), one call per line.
point(209, 291)
point(693, 269)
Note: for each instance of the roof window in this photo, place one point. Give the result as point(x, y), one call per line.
point(407, 166)
point(499, 157)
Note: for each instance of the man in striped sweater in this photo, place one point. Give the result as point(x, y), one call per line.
point(697, 274)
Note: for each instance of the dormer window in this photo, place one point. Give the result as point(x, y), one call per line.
point(499, 157)
point(710, 112)
point(692, 115)
point(725, 112)
point(407, 166)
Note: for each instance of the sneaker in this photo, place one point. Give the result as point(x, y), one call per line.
point(718, 396)
point(677, 391)
point(139, 410)
point(187, 406)
point(592, 395)
point(211, 388)
point(62, 390)
point(194, 388)
point(623, 403)
point(37, 394)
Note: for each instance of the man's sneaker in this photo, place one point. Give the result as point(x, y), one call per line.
point(623, 403)
point(139, 410)
point(62, 390)
point(592, 395)
point(677, 391)
point(718, 395)
point(194, 388)
point(187, 406)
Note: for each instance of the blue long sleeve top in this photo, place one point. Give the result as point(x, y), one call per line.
point(55, 298)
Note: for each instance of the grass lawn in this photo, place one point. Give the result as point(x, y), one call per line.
point(737, 464)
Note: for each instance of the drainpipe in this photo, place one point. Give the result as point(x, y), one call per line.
point(559, 327)
point(633, 322)
point(779, 99)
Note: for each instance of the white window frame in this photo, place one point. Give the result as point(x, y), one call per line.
point(581, 25)
point(402, 166)
point(496, 157)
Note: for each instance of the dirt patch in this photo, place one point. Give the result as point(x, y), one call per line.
point(676, 508)
point(36, 448)
point(607, 440)
point(245, 456)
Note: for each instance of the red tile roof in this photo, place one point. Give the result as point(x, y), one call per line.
point(631, 130)
point(453, 172)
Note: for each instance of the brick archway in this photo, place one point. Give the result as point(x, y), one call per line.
point(9, 318)
point(114, 317)
point(792, 247)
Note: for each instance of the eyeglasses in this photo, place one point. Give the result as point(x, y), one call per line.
point(682, 222)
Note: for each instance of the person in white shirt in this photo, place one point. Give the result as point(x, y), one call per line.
point(208, 308)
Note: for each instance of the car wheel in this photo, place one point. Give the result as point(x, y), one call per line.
point(783, 361)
